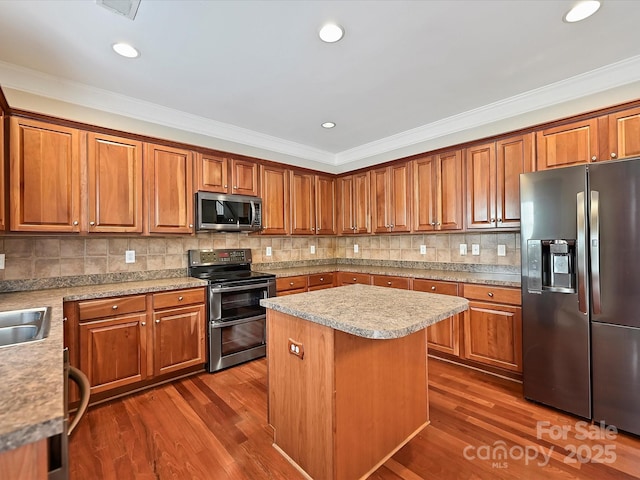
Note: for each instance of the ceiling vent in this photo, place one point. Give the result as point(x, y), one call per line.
point(126, 8)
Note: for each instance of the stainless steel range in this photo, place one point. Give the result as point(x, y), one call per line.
point(237, 322)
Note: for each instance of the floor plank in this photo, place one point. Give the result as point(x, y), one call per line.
point(214, 427)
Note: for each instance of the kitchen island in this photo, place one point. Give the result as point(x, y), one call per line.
point(348, 374)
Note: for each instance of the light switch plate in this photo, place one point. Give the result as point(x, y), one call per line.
point(355, 248)
point(1, 261)
point(268, 252)
point(130, 256)
point(475, 249)
point(423, 249)
point(313, 249)
point(463, 249)
point(502, 250)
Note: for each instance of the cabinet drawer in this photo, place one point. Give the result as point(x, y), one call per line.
point(348, 278)
point(435, 286)
point(486, 293)
point(320, 279)
point(392, 282)
point(92, 309)
point(291, 283)
point(177, 298)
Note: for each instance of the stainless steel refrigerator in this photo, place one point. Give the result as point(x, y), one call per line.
point(580, 233)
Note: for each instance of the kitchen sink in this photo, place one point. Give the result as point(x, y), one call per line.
point(28, 325)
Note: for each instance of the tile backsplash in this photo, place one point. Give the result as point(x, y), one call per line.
point(30, 257)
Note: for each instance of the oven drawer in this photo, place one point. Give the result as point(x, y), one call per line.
point(178, 298)
point(93, 309)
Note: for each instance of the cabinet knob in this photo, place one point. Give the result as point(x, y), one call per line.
point(613, 155)
point(313, 229)
point(225, 186)
point(493, 220)
point(180, 298)
point(75, 223)
point(354, 279)
point(291, 283)
point(64, 319)
point(433, 287)
point(392, 225)
point(594, 158)
point(490, 294)
point(157, 320)
point(115, 307)
point(499, 220)
point(386, 226)
point(191, 225)
point(92, 223)
point(433, 224)
point(322, 279)
point(437, 224)
point(235, 187)
point(388, 283)
point(143, 324)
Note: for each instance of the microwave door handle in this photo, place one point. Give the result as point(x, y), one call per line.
point(582, 254)
point(594, 244)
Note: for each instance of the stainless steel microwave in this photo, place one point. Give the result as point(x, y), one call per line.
point(227, 213)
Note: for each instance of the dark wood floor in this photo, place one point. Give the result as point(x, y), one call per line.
point(214, 427)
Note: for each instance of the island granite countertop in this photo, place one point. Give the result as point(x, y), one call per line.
point(369, 311)
point(31, 391)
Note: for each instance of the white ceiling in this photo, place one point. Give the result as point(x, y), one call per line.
point(255, 72)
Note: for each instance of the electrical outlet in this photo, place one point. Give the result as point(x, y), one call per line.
point(1, 261)
point(355, 248)
point(423, 249)
point(475, 249)
point(130, 256)
point(502, 250)
point(268, 252)
point(313, 249)
point(463, 249)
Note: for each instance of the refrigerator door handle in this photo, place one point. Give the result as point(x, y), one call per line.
point(582, 254)
point(594, 243)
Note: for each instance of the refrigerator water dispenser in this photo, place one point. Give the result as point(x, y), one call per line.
point(551, 265)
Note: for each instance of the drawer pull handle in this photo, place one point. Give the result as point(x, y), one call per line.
point(490, 294)
point(433, 288)
point(115, 307)
point(388, 283)
point(180, 298)
point(354, 279)
point(322, 279)
point(143, 323)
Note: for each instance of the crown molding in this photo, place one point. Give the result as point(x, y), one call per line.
point(595, 81)
point(49, 86)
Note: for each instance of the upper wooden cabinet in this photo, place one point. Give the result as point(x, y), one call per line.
point(571, 144)
point(325, 203)
point(493, 181)
point(275, 200)
point(391, 198)
point(312, 204)
point(437, 192)
point(169, 189)
point(353, 203)
point(223, 175)
point(624, 134)
point(114, 184)
point(44, 177)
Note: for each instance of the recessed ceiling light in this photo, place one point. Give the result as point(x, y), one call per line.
point(125, 50)
point(328, 125)
point(582, 10)
point(331, 33)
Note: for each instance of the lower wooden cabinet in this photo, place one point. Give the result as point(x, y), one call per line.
point(126, 342)
point(291, 285)
point(350, 278)
point(320, 281)
point(444, 336)
point(403, 283)
point(493, 327)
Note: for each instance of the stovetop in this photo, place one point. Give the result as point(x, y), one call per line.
point(223, 266)
point(228, 276)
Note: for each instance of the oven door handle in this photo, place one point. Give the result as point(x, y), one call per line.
point(219, 324)
point(247, 286)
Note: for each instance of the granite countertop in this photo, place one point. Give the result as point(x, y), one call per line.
point(369, 311)
point(486, 278)
point(31, 387)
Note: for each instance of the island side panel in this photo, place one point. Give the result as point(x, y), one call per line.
point(301, 392)
point(381, 399)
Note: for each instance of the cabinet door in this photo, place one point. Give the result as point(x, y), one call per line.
point(346, 219)
point(361, 202)
point(170, 172)
point(303, 210)
point(450, 191)
point(178, 338)
point(571, 144)
point(624, 134)
point(211, 173)
point(380, 199)
point(493, 335)
point(481, 186)
point(425, 186)
point(325, 205)
point(244, 176)
point(400, 199)
point(113, 352)
point(275, 200)
point(45, 177)
point(114, 184)
point(513, 157)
